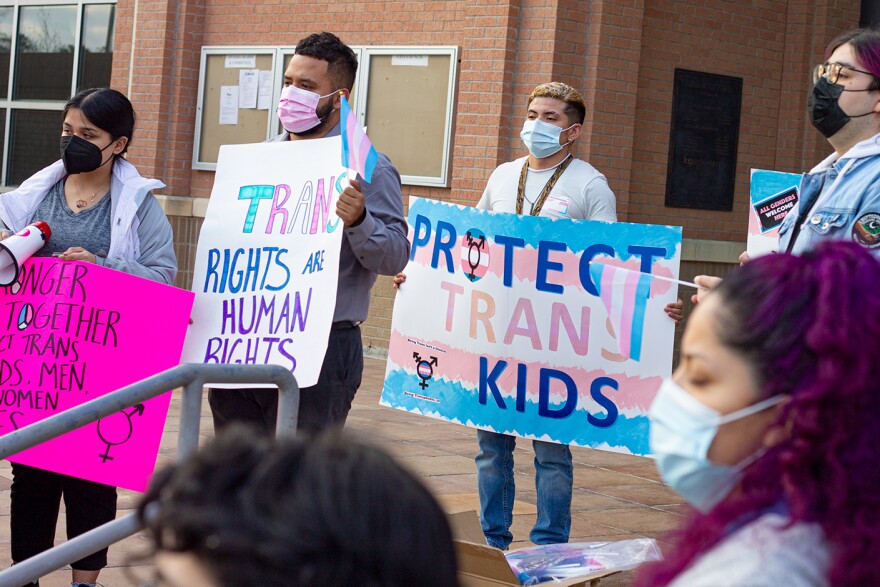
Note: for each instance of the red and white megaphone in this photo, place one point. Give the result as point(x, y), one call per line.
point(19, 247)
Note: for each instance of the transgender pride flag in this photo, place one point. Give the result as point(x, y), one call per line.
point(625, 293)
point(357, 150)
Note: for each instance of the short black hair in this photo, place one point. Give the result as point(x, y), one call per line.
point(106, 108)
point(328, 511)
point(342, 62)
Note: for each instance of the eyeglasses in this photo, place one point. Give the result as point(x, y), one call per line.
point(831, 71)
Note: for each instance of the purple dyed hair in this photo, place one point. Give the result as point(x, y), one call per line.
point(808, 326)
point(866, 45)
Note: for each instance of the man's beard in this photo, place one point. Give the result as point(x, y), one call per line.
point(322, 112)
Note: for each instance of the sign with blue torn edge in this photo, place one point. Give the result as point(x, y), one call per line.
point(773, 194)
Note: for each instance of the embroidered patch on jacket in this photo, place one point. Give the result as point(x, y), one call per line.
point(866, 230)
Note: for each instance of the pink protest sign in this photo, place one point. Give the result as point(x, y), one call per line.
point(71, 332)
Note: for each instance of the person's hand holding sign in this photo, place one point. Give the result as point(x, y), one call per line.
point(350, 207)
point(78, 254)
point(675, 310)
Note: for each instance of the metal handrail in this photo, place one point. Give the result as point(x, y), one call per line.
point(192, 377)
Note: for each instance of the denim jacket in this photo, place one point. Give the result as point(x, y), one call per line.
point(843, 196)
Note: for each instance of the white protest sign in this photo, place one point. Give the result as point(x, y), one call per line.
point(538, 327)
point(267, 262)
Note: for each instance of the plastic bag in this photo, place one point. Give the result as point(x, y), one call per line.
point(554, 562)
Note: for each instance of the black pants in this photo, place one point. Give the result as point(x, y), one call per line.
point(36, 498)
point(321, 406)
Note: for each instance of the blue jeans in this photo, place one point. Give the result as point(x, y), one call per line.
point(554, 475)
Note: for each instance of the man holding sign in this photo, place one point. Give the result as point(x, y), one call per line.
point(539, 185)
point(374, 241)
point(549, 182)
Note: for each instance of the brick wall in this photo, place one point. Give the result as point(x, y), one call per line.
point(186, 237)
point(621, 53)
point(162, 83)
point(610, 81)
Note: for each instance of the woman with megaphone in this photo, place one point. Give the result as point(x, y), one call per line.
point(101, 211)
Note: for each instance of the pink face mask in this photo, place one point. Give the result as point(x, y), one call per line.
point(297, 109)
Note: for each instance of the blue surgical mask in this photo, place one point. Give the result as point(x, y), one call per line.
point(682, 430)
point(541, 138)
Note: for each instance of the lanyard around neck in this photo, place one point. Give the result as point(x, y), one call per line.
point(539, 203)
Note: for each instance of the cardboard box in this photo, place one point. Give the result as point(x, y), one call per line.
point(480, 565)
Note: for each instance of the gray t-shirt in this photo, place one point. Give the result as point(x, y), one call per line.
point(89, 229)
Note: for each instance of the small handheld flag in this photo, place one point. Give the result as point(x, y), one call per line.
point(625, 295)
point(660, 277)
point(357, 150)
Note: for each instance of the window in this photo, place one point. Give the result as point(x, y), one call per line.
point(49, 49)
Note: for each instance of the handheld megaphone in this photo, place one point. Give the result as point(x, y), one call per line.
point(19, 247)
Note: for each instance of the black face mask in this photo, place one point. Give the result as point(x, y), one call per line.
point(825, 113)
point(81, 156)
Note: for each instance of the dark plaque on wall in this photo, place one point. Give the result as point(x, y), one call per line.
point(703, 140)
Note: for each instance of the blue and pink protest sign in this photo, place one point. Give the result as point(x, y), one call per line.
point(773, 194)
point(71, 332)
point(504, 324)
point(267, 263)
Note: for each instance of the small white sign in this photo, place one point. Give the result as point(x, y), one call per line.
point(248, 80)
point(410, 60)
point(228, 104)
point(241, 61)
point(264, 95)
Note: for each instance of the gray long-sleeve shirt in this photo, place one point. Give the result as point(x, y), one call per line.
point(376, 246)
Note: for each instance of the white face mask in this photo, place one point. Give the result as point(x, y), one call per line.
point(682, 430)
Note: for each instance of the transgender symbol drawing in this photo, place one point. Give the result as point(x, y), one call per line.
point(424, 369)
point(118, 427)
point(26, 316)
point(474, 254)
